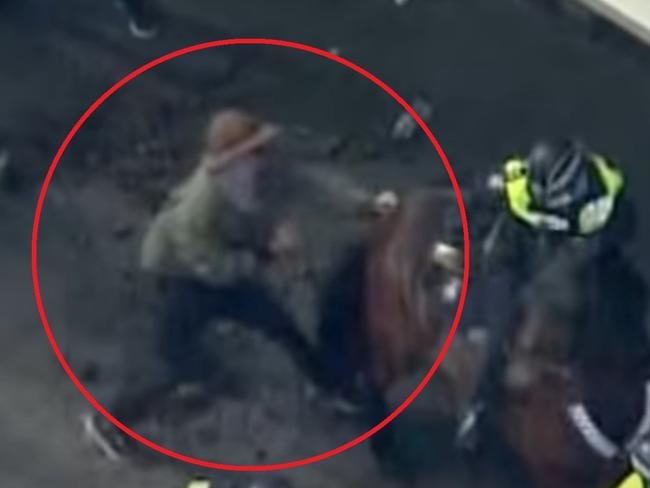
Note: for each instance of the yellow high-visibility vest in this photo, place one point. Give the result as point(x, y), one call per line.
point(595, 215)
point(633, 480)
point(591, 218)
point(518, 197)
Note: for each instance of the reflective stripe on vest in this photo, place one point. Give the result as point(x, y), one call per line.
point(595, 215)
point(633, 480)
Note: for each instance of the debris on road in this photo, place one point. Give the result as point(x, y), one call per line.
point(405, 126)
point(5, 170)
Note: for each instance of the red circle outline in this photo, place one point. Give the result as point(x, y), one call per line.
point(231, 42)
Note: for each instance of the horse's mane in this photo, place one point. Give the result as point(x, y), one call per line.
point(597, 306)
point(603, 299)
point(617, 325)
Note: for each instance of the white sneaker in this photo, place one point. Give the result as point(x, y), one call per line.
point(99, 437)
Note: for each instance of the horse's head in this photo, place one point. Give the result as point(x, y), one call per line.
point(412, 277)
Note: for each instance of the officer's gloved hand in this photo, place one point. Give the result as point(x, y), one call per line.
point(494, 183)
point(554, 224)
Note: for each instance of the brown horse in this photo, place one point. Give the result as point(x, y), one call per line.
point(410, 288)
point(396, 296)
point(391, 301)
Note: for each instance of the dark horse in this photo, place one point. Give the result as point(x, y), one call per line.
point(576, 391)
point(576, 383)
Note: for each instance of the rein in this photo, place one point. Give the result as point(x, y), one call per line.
point(597, 440)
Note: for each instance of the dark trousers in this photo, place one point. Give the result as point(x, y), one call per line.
point(189, 305)
point(339, 334)
point(186, 307)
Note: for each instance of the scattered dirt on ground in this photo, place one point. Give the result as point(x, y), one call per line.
point(498, 76)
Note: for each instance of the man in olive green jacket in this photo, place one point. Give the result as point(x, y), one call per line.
point(204, 250)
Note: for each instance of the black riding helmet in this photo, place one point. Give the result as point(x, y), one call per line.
point(560, 174)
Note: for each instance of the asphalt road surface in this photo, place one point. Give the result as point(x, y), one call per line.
point(499, 75)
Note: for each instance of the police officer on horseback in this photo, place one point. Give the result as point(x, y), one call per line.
point(563, 188)
point(560, 194)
